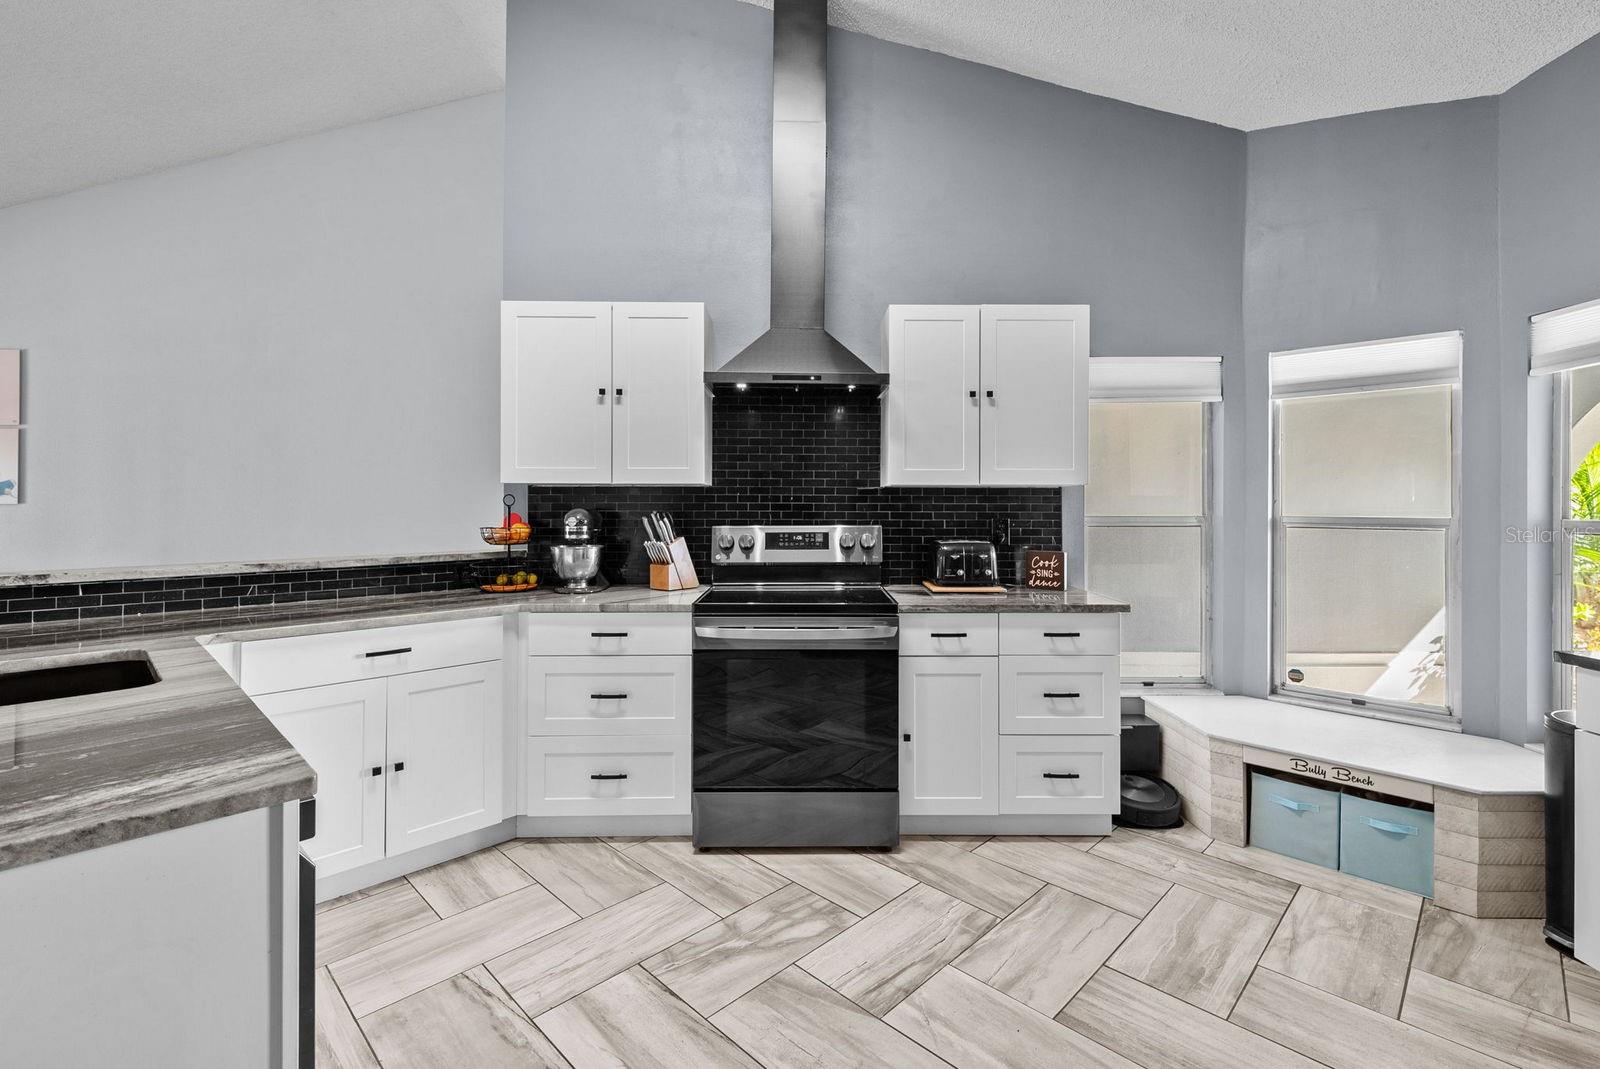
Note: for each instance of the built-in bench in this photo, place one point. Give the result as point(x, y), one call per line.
point(1487, 795)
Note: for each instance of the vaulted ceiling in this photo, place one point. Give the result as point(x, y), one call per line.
point(93, 90)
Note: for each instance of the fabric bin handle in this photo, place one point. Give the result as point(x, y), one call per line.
point(1389, 825)
point(1290, 803)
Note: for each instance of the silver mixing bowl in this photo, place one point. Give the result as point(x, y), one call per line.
point(578, 568)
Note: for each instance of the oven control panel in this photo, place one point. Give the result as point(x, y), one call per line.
point(798, 544)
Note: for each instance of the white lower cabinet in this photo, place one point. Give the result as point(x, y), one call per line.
point(1065, 774)
point(949, 731)
point(340, 730)
point(401, 762)
point(989, 732)
point(444, 727)
point(582, 776)
point(609, 695)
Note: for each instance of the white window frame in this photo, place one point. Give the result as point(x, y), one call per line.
point(1208, 415)
point(1340, 701)
point(1567, 530)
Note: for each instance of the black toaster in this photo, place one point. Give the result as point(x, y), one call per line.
point(962, 562)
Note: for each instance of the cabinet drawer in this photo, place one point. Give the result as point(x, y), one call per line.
point(1391, 844)
point(275, 664)
point(1059, 774)
point(947, 634)
point(1033, 633)
point(599, 775)
point(1059, 696)
point(610, 634)
point(609, 695)
point(1294, 819)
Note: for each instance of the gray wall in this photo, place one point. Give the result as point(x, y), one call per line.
point(638, 159)
point(287, 352)
point(1361, 227)
point(1549, 258)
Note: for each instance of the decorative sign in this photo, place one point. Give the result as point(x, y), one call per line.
point(1042, 569)
point(1338, 775)
point(10, 465)
point(10, 387)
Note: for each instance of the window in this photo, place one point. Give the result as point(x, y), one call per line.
point(1147, 539)
point(1566, 344)
point(1364, 551)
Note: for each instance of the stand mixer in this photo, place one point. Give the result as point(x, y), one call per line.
point(577, 558)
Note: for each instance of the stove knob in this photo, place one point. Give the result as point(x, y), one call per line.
point(747, 542)
point(725, 542)
point(847, 541)
point(868, 539)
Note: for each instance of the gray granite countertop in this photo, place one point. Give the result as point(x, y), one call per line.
point(916, 598)
point(82, 772)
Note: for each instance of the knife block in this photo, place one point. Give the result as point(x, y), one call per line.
point(680, 574)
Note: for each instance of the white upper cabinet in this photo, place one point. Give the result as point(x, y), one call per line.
point(661, 409)
point(603, 392)
point(1035, 394)
point(555, 392)
point(931, 409)
point(991, 395)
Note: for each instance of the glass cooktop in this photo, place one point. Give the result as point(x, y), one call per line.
point(813, 598)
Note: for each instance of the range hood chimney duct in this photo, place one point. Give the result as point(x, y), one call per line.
point(797, 350)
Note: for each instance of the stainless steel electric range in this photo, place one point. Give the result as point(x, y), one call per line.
point(796, 691)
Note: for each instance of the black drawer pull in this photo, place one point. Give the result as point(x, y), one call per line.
point(949, 634)
point(1063, 634)
point(608, 775)
point(399, 766)
point(1062, 694)
point(608, 634)
point(1061, 775)
point(610, 697)
point(377, 770)
point(389, 653)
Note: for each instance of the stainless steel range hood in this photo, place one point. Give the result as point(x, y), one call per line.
point(797, 350)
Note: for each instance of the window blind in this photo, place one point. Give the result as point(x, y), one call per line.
point(1389, 364)
point(1565, 339)
point(1155, 378)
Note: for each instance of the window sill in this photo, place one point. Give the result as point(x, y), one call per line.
point(1440, 722)
point(1134, 690)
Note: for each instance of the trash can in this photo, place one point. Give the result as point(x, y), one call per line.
point(1559, 742)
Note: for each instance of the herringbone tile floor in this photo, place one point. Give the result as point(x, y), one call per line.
point(1153, 949)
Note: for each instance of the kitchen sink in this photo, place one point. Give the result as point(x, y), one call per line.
point(77, 678)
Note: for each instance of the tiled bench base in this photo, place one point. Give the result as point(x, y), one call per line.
point(1488, 849)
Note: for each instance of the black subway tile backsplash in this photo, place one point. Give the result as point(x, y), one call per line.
point(805, 456)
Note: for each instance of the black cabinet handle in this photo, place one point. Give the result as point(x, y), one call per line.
point(377, 770)
point(1061, 775)
point(608, 634)
point(1063, 634)
point(399, 766)
point(612, 697)
point(608, 775)
point(949, 634)
point(972, 394)
point(618, 392)
point(602, 391)
point(1062, 694)
point(907, 736)
point(989, 394)
point(388, 653)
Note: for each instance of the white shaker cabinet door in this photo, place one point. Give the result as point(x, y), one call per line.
point(1035, 423)
point(555, 392)
point(949, 735)
point(445, 754)
point(661, 409)
point(932, 407)
point(340, 730)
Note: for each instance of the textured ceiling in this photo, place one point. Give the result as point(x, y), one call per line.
point(1244, 63)
point(92, 90)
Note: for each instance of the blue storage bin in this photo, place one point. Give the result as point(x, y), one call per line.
point(1391, 844)
point(1293, 818)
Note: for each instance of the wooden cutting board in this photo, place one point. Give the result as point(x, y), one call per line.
point(935, 588)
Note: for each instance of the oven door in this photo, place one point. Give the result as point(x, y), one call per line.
point(788, 704)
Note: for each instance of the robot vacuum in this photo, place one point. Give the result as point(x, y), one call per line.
point(1148, 802)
